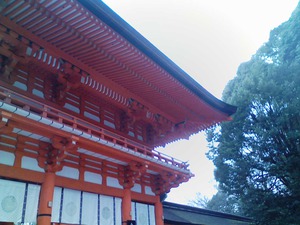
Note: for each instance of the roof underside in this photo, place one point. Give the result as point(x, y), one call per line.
point(94, 38)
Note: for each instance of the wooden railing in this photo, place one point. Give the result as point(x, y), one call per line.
point(38, 111)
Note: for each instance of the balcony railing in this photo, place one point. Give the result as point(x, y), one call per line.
point(40, 112)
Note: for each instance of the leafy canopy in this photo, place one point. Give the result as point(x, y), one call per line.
point(257, 155)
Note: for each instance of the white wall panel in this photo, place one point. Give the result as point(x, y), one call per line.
point(18, 201)
point(69, 172)
point(31, 164)
point(142, 216)
point(118, 211)
point(11, 200)
point(113, 182)
point(33, 193)
point(7, 158)
point(106, 210)
point(143, 213)
point(89, 209)
point(71, 206)
point(56, 204)
point(137, 188)
point(92, 177)
point(152, 214)
point(148, 191)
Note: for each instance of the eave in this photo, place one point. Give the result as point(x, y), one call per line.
point(108, 52)
point(107, 15)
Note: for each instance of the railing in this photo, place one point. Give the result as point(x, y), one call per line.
point(38, 111)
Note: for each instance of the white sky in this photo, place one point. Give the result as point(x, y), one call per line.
point(208, 39)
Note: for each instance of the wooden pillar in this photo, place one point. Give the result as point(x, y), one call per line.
point(126, 205)
point(159, 215)
point(46, 199)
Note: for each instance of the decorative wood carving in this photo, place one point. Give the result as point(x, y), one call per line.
point(163, 182)
point(67, 78)
point(159, 127)
point(131, 173)
point(12, 51)
point(51, 155)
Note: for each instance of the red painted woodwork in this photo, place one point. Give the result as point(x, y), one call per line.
point(46, 199)
point(126, 205)
point(109, 64)
point(159, 216)
point(80, 89)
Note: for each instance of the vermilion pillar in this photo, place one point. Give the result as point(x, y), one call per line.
point(46, 199)
point(159, 216)
point(126, 205)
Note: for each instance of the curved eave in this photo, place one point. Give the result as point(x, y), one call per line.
point(103, 12)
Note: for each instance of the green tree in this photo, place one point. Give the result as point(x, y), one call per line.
point(200, 201)
point(257, 155)
point(221, 202)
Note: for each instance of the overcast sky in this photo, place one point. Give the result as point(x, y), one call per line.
point(208, 39)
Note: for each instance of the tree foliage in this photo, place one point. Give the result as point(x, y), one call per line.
point(257, 155)
point(221, 202)
point(200, 201)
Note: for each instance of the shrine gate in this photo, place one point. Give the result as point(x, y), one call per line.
point(84, 102)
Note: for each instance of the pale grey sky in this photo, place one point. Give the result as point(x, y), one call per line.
point(208, 39)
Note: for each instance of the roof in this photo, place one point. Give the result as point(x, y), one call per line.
point(115, 62)
point(139, 41)
point(176, 214)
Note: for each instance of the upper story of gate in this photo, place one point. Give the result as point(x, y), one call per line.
point(76, 66)
point(86, 59)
